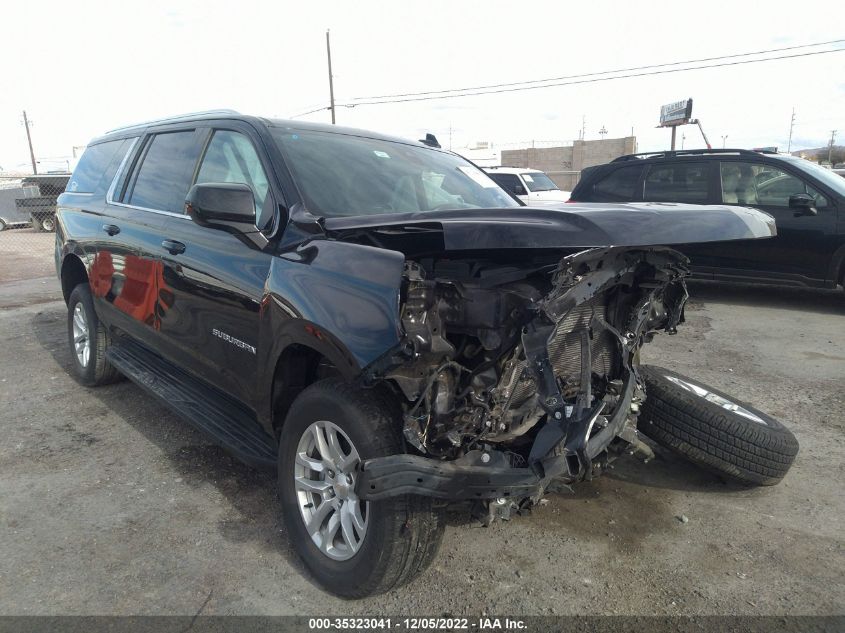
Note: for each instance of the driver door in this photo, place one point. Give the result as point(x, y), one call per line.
point(801, 249)
point(218, 281)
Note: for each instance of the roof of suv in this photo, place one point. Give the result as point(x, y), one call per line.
point(693, 152)
point(137, 128)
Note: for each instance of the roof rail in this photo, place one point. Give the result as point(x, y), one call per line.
point(176, 117)
point(688, 152)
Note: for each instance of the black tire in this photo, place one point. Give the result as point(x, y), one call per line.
point(98, 371)
point(718, 439)
point(403, 533)
point(3, 224)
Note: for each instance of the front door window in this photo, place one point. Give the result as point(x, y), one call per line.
point(762, 185)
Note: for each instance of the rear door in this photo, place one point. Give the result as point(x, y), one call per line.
point(138, 206)
point(217, 281)
point(692, 182)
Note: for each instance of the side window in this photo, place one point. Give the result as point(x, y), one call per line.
point(97, 165)
point(765, 185)
point(164, 177)
point(679, 182)
point(508, 182)
point(231, 157)
point(618, 186)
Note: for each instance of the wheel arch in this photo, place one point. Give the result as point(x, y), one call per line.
point(836, 271)
point(298, 366)
point(73, 273)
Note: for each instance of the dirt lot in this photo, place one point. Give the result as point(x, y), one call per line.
point(109, 504)
point(26, 254)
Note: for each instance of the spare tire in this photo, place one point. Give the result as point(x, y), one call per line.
point(715, 430)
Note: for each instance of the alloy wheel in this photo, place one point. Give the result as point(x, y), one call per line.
point(81, 335)
point(324, 480)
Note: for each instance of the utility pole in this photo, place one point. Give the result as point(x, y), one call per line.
point(583, 126)
point(829, 148)
point(29, 140)
point(603, 132)
point(791, 126)
point(724, 138)
point(331, 83)
point(683, 138)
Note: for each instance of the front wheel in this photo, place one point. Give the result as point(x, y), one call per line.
point(354, 548)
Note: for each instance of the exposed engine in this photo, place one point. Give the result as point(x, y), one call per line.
point(494, 349)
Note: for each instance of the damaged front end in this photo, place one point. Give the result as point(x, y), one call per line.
point(517, 374)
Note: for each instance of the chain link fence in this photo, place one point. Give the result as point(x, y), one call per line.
point(28, 224)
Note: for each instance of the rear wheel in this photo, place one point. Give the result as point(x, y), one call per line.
point(715, 430)
point(354, 548)
point(88, 340)
point(48, 224)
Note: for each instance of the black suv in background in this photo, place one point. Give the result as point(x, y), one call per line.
point(806, 200)
point(382, 325)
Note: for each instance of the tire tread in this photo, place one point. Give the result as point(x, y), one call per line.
point(713, 437)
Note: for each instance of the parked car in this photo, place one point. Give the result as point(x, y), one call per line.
point(807, 202)
point(532, 186)
point(380, 324)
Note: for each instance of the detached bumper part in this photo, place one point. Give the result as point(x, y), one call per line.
point(469, 477)
point(481, 474)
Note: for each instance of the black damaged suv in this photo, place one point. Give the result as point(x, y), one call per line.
point(382, 325)
point(806, 201)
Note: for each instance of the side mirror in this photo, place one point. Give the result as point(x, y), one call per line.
point(519, 190)
point(226, 206)
point(803, 204)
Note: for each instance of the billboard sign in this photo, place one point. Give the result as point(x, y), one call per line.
point(678, 113)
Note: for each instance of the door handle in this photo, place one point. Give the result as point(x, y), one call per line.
point(173, 247)
point(111, 229)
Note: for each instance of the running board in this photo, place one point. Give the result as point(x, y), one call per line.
point(217, 416)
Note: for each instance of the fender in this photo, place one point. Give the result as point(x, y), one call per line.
point(339, 299)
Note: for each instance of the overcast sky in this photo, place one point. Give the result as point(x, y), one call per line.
point(80, 68)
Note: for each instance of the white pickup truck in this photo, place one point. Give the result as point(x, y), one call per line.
point(532, 186)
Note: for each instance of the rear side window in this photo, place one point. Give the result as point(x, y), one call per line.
point(508, 182)
point(98, 165)
point(618, 186)
point(164, 177)
point(680, 182)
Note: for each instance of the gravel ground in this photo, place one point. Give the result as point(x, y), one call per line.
point(110, 504)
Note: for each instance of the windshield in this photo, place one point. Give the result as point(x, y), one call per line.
point(539, 182)
point(831, 179)
point(341, 175)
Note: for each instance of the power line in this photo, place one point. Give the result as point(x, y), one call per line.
point(320, 109)
point(585, 81)
point(604, 72)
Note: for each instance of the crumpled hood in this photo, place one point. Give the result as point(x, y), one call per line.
point(571, 225)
